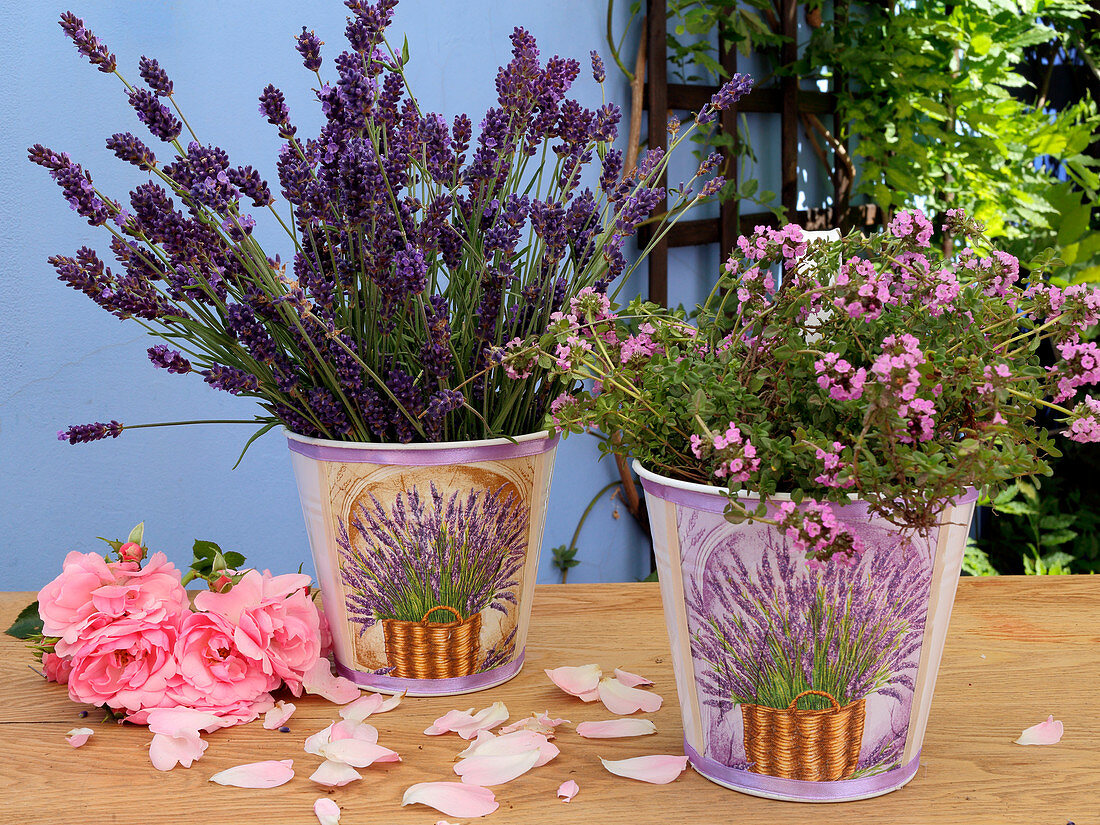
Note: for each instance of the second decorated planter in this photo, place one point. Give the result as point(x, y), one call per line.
point(427, 556)
point(799, 681)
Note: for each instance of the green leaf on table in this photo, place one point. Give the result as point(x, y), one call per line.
point(27, 623)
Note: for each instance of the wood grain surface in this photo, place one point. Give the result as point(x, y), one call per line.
point(1018, 650)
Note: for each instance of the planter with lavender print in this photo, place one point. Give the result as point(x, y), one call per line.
point(427, 555)
point(802, 682)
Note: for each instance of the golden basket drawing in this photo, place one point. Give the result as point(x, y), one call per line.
point(817, 745)
point(432, 650)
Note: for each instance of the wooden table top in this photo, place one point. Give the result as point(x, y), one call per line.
point(1018, 650)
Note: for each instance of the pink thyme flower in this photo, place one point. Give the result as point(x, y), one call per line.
point(736, 455)
point(813, 529)
point(834, 469)
point(1079, 367)
point(1085, 421)
point(519, 359)
point(590, 304)
point(896, 367)
point(910, 223)
point(839, 378)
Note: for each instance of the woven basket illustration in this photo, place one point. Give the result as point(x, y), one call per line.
point(818, 745)
point(432, 650)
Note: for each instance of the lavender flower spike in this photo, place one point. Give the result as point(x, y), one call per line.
point(598, 72)
point(309, 47)
point(733, 90)
point(128, 148)
point(169, 359)
point(154, 76)
point(84, 433)
point(87, 43)
point(155, 115)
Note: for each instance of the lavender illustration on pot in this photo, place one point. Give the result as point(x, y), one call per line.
point(427, 568)
point(800, 651)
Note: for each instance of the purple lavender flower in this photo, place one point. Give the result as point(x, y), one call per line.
point(169, 359)
point(84, 433)
point(87, 43)
point(251, 185)
point(732, 90)
point(155, 77)
point(128, 148)
point(273, 107)
point(309, 46)
point(230, 379)
point(598, 73)
point(155, 115)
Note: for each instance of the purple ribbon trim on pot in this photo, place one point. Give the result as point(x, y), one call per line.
point(424, 457)
point(435, 687)
point(799, 790)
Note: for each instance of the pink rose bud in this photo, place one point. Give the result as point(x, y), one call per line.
point(131, 551)
point(221, 584)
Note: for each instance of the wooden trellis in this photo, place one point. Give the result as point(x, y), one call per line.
point(794, 105)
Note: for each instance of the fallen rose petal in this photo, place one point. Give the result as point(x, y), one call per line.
point(1045, 733)
point(182, 721)
point(319, 681)
point(466, 723)
point(538, 722)
point(620, 699)
point(278, 715)
point(78, 736)
point(509, 744)
point(615, 728)
point(576, 681)
point(657, 770)
point(495, 770)
point(390, 702)
point(590, 696)
point(165, 752)
point(361, 708)
point(268, 774)
point(326, 811)
point(315, 742)
point(357, 753)
point(452, 798)
point(567, 790)
point(335, 774)
point(350, 729)
point(631, 679)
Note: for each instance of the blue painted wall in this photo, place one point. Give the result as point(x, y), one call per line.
point(64, 361)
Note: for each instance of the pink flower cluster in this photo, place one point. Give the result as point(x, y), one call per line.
point(640, 346)
point(812, 528)
point(736, 455)
point(1085, 422)
point(909, 223)
point(839, 378)
point(128, 639)
point(789, 240)
point(591, 305)
point(871, 291)
point(1079, 367)
point(519, 359)
point(833, 467)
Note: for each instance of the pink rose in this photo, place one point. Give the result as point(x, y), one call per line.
point(213, 673)
point(90, 587)
point(56, 668)
point(127, 664)
point(276, 622)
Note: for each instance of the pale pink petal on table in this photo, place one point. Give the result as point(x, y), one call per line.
point(165, 752)
point(350, 729)
point(616, 728)
point(279, 715)
point(319, 681)
point(78, 736)
point(326, 811)
point(315, 742)
point(509, 744)
point(357, 753)
point(590, 696)
point(657, 770)
point(542, 723)
point(447, 722)
point(335, 774)
point(466, 723)
point(183, 721)
point(631, 679)
point(567, 790)
point(366, 705)
point(576, 681)
point(445, 822)
point(269, 774)
point(495, 770)
point(452, 798)
point(1045, 733)
point(620, 699)
point(390, 702)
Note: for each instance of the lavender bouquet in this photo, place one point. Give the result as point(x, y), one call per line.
point(414, 249)
point(783, 630)
point(420, 555)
